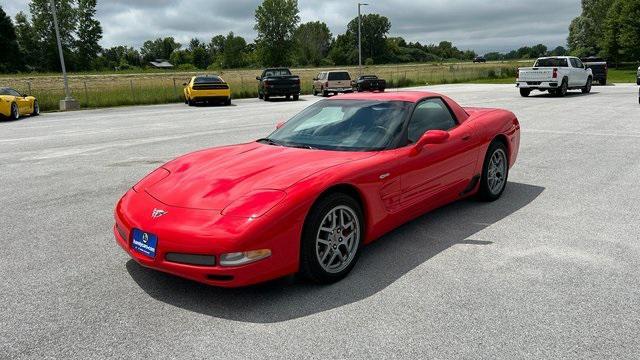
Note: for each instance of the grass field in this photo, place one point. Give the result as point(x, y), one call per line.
point(116, 89)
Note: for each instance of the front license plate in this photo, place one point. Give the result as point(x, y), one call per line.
point(144, 243)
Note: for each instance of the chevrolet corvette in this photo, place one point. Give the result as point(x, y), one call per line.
point(13, 104)
point(306, 198)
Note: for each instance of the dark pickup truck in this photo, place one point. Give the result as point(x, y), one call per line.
point(369, 83)
point(278, 82)
point(599, 68)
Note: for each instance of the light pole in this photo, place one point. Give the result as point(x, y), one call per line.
point(360, 36)
point(69, 103)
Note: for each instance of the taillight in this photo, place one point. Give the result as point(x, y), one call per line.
point(555, 73)
point(296, 81)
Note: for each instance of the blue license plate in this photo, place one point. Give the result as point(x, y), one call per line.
point(144, 243)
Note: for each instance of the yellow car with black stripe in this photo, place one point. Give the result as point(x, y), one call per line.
point(207, 88)
point(13, 104)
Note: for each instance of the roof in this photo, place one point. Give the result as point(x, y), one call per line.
point(159, 63)
point(408, 96)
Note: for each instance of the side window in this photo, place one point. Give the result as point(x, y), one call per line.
point(14, 93)
point(431, 114)
point(574, 63)
point(579, 63)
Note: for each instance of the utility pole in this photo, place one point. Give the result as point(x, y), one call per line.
point(360, 36)
point(69, 103)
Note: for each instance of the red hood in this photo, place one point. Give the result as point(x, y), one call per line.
point(213, 178)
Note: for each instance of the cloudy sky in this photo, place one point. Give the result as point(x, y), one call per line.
point(480, 25)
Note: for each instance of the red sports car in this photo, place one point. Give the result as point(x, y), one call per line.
point(305, 199)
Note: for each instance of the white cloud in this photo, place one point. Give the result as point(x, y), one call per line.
point(480, 25)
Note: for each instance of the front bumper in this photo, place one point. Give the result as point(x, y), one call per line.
point(542, 85)
point(206, 232)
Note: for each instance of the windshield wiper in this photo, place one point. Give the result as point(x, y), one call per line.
point(300, 146)
point(269, 141)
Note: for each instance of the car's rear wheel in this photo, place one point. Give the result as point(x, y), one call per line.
point(266, 97)
point(296, 97)
point(325, 93)
point(260, 95)
point(525, 92)
point(190, 102)
point(331, 238)
point(564, 88)
point(587, 87)
point(227, 102)
point(495, 172)
point(36, 108)
point(15, 112)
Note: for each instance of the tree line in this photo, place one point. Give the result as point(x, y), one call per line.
point(607, 28)
point(281, 41)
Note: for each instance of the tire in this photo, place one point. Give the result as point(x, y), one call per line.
point(36, 108)
point(321, 251)
point(525, 92)
point(260, 96)
point(315, 93)
point(266, 97)
point(288, 97)
point(15, 112)
point(296, 97)
point(497, 156)
point(587, 87)
point(325, 93)
point(190, 102)
point(227, 102)
point(602, 82)
point(564, 88)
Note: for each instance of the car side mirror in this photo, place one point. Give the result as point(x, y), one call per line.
point(280, 124)
point(184, 84)
point(258, 78)
point(24, 95)
point(430, 137)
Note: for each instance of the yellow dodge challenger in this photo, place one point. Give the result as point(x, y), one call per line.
point(13, 104)
point(207, 88)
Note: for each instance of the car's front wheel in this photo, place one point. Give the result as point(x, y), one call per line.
point(495, 172)
point(525, 92)
point(15, 112)
point(587, 87)
point(331, 238)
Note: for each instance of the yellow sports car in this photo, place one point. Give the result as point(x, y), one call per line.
point(13, 104)
point(207, 88)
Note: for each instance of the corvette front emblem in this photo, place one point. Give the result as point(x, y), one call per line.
point(156, 213)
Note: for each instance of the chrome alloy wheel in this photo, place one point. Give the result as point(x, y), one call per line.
point(497, 171)
point(337, 239)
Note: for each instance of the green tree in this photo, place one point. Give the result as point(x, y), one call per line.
point(559, 51)
point(343, 51)
point(89, 34)
point(585, 31)
point(159, 49)
point(276, 21)
point(181, 57)
point(629, 30)
point(312, 41)
point(200, 57)
point(27, 41)
point(610, 43)
point(47, 58)
point(10, 55)
point(234, 48)
point(374, 33)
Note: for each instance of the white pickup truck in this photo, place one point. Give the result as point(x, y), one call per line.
point(556, 75)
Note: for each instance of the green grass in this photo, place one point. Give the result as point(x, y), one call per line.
point(107, 90)
point(622, 76)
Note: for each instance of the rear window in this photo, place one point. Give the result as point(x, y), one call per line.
point(277, 72)
point(552, 62)
point(342, 75)
point(208, 80)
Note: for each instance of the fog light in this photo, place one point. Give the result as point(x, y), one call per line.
point(242, 258)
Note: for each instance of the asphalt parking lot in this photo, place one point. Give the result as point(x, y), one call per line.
point(552, 270)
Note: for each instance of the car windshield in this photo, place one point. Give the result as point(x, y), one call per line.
point(207, 80)
point(277, 72)
point(343, 125)
point(551, 62)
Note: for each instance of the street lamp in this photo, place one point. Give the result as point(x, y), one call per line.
point(69, 103)
point(360, 36)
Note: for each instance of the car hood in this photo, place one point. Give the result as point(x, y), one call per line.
point(212, 179)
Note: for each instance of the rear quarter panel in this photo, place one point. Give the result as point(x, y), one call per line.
point(491, 124)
